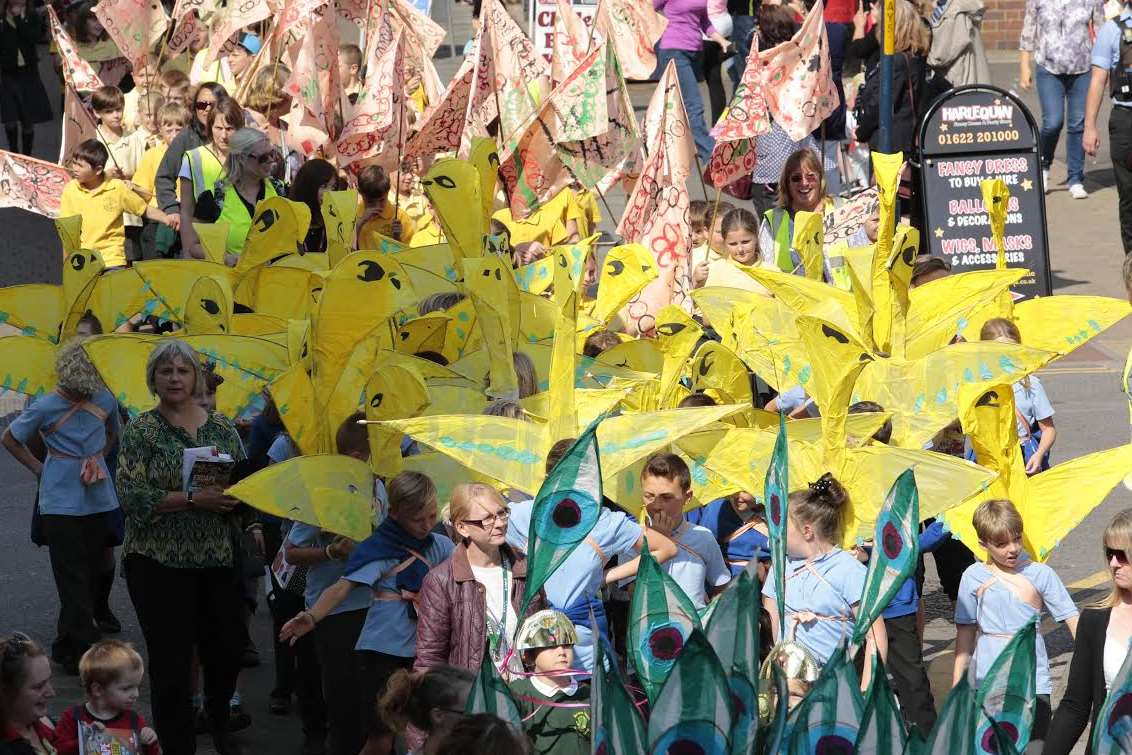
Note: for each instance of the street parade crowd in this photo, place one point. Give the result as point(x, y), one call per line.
point(343, 339)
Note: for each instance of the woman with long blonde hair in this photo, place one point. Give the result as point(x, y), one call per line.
point(1103, 633)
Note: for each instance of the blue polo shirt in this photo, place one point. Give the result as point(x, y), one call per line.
point(1106, 48)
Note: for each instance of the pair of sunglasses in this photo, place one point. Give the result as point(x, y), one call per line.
point(1119, 554)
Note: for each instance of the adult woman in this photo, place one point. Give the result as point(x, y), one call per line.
point(245, 183)
point(390, 563)
point(197, 133)
point(316, 177)
point(181, 551)
point(23, 100)
point(78, 422)
point(266, 103)
point(682, 42)
point(1031, 404)
point(202, 167)
point(801, 188)
point(1103, 633)
point(909, 95)
point(431, 701)
point(1057, 36)
point(25, 689)
point(469, 605)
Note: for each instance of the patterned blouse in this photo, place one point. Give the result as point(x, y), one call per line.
point(149, 466)
point(1057, 33)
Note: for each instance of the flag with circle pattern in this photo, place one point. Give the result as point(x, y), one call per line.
point(1007, 694)
point(565, 510)
point(776, 491)
point(1112, 731)
point(896, 550)
point(617, 724)
point(829, 717)
point(692, 710)
point(882, 727)
point(733, 631)
point(661, 619)
point(954, 729)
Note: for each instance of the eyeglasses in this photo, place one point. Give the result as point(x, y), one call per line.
point(204, 105)
point(489, 521)
point(797, 178)
point(266, 157)
point(1119, 554)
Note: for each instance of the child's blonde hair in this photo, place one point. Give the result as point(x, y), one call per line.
point(995, 519)
point(106, 662)
point(409, 492)
point(173, 113)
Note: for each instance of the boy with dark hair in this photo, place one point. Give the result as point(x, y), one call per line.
point(101, 201)
point(349, 70)
point(378, 217)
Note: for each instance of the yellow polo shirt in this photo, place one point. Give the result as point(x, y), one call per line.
point(101, 209)
point(382, 225)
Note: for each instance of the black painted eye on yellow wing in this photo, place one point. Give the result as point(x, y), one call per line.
point(266, 220)
point(210, 306)
point(616, 267)
point(836, 335)
point(670, 328)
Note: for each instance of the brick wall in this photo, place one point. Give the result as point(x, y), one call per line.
point(1002, 24)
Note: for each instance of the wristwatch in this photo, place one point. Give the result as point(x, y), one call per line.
point(189, 499)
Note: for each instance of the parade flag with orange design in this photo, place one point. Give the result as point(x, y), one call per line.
point(375, 122)
point(530, 167)
point(30, 184)
point(735, 154)
point(236, 15)
point(568, 44)
point(314, 74)
point(798, 80)
point(444, 124)
point(136, 26)
point(77, 72)
point(666, 125)
point(633, 28)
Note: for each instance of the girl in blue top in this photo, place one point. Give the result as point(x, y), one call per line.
point(1030, 402)
point(823, 582)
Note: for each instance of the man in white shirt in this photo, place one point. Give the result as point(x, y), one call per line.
point(699, 568)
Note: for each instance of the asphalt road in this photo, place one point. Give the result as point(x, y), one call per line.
point(1091, 415)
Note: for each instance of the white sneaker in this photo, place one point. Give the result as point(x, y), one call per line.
point(1077, 191)
point(1045, 180)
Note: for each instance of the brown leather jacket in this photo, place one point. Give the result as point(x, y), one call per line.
point(451, 611)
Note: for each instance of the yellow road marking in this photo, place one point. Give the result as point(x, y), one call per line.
point(1078, 370)
point(1093, 580)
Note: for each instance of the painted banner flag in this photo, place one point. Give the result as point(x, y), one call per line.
point(136, 26)
point(565, 510)
point(692, 711)
point(233, 17)
point(78, 125)
point(77, 72)
point(661, 621)
point(569, 41)
point(666, 126)
point(798, 80)
point(776, 494)
point(896, 551)
point(314, 72)
point(375, 122)
point(579, 99)
point(30, 184)
point(444, 124)
point(530, 167)
point(735, 154)
point(633, 28)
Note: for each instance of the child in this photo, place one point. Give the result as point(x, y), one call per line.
point(173, 85)
point(666, 487)
point(562, 727)
point(738, 523)
point(740, 231)
point(157, 239)
point(349, 67)
point(714, 247)
point(999, 597)
point(823, 582)
point(23, 99)
point(101, 201)
point(697, 214)
point(111, 672)
point(377, 216)
point(142, 96)
point(125, 150)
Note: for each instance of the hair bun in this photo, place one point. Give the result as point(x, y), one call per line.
point(829, 490)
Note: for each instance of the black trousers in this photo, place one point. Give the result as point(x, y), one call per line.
point(297, 669)
point(713, 58)
point(334, 640)
point(180, 609)
point(909, 675)
point(77, 545)
point(1120, 145)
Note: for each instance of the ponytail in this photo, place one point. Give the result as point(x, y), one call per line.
point(821, 505)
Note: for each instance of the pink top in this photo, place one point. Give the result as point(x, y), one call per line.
point(687, 24)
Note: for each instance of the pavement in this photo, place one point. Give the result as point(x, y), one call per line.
point(1091, 414)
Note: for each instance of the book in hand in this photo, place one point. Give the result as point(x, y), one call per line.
point(96, 740)
point(206, 467)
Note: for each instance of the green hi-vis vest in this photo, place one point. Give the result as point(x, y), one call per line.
point(204, 168)
point(782, 228)
point(235, 213)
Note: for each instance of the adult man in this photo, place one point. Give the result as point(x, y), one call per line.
point(1112, 65)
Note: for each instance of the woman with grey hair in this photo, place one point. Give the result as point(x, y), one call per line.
point(77, 423)
point(247, 181)
point(181, 548)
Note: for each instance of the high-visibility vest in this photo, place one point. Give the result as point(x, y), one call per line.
point(235, 213)
point(205, 169)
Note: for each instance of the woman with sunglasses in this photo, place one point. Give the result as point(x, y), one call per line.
point(203, 166)
point(1103, 634)
point(469, 605)
point(25, 690)
point(247, 181)
point(204, 99)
